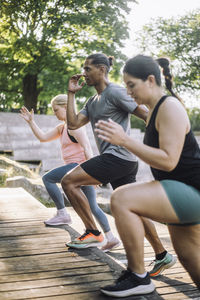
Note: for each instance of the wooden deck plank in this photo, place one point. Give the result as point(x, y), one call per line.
point(21, 231)
point(76, 291)
point(96, 295)
point(182, 296)
point(54, 267)
point(69, 289)
point(34, 259)
point(34, 238)
point(56, 281)
point(54, 274)
point(175, 280)
point(36, 264)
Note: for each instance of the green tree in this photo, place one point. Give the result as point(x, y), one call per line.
point(42, 42)
point(137, 123)
point(179, 39)
point(194, 116)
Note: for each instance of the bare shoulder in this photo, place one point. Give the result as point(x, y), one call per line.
point(59, 128)
point(172, 106)
point(172, 111)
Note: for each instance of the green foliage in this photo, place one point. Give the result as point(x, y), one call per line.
point(3, 180)
point(179, 39)
point(137, 123)
point(14, 168)
point(44, 42)
point(46, 203)
point(194, 115)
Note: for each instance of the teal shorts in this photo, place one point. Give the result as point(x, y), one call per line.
point(185, 200)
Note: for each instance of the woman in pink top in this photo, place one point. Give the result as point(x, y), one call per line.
point(75, 148)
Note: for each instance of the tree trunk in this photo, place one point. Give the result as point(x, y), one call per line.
point(30, 91)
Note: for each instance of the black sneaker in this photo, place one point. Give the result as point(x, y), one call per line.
point(129, 284)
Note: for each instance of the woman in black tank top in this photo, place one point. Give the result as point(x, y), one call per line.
point(173, 154)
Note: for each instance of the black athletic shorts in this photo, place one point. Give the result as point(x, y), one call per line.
point(108, 168)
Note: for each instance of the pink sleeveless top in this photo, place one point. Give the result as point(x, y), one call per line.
point(71, 152)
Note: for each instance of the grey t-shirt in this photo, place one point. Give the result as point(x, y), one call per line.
point(113, 103)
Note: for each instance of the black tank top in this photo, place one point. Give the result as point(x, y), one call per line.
point(188, 167)
point(72, 138)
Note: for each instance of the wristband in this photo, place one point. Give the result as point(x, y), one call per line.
point(71, 91)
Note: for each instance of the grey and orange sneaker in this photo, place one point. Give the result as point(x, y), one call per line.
point(87, 240)
point(160, 265)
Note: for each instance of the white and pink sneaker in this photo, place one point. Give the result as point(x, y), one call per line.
point(111, 244)
point(59, 219)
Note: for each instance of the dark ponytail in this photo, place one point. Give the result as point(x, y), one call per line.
point(111, 59)
point(164, 64)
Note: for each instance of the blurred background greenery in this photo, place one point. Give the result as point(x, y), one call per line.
point(44, 42)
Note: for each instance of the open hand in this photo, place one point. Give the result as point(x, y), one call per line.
point(26, 115)
point(111, 132)
point(74, 85)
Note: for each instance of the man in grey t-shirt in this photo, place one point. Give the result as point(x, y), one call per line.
point(114, 164)
point(112, 103)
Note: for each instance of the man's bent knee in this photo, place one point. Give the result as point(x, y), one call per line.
point(66, 181)
point(115, 204)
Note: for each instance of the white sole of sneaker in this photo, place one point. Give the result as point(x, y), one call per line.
point(49, 224)
point(111, 247)
point(84, 246)
point(139, 290)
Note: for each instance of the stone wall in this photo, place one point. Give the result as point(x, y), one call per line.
point(17, 138)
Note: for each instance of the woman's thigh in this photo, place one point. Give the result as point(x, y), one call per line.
point(78, 177)
point(146, 199)
point(185, 200)
point(186, 242)
point(184, 239)
point(55, 175)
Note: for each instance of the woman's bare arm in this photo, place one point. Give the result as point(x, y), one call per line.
point(38, 132)
point(172, 125)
